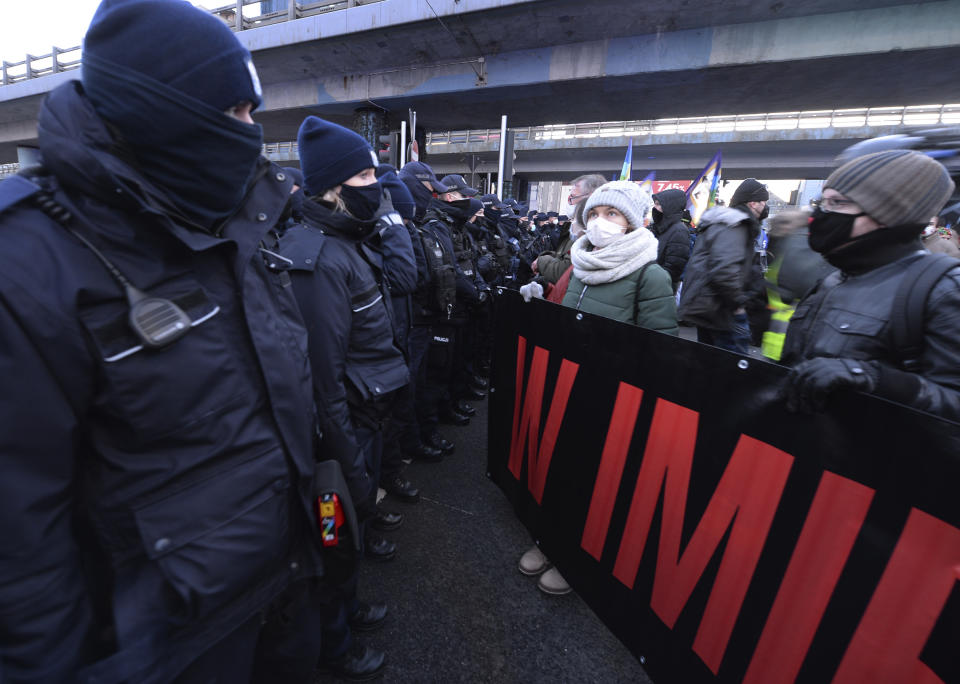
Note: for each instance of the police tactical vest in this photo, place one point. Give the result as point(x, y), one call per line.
point(463, 251)
point(441, 291)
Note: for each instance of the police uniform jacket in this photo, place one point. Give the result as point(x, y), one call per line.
point(345, 303)
point(395, 254)
point(442, 225)
point(152, 499)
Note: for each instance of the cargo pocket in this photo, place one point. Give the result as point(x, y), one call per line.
point(154, 392)
point(220, 536)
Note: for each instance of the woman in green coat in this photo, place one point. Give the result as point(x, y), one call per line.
point(615, 271)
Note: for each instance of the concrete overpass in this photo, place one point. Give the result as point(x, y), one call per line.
point(769, 149)
point(462, 63)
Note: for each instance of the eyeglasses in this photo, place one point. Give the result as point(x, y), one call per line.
point(834, 204)
point(576, 198)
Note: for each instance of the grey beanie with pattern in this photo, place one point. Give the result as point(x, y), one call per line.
point(894, 187)
point(626, 197)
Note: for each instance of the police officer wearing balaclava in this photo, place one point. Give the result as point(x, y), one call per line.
point(158, 466)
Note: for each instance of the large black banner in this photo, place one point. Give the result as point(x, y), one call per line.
point(721, 538)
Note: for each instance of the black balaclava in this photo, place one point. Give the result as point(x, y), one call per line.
point(421, 196)
point(170, 113)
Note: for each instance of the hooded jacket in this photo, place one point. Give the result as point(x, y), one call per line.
point(152, 500)
point(719, 268)
point(672, 233)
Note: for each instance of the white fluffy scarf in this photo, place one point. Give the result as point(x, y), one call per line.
point(617, 260)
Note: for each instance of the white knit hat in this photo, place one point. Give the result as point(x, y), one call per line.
point(626, 197)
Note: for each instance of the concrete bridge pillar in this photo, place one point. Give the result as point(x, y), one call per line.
point(371, 123)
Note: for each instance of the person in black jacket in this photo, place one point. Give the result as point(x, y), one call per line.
point(159, 475)
point(342, 287)
point(402, 436)
point(841, 337)
point(673, 234)
point(720, 270)
point(432, 303)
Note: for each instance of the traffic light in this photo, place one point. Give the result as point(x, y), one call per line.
point(389, 149)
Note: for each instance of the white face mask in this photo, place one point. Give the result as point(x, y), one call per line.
point(601, 232)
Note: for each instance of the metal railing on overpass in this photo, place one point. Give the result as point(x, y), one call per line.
point(922, 115)
point(287, 10)
point(35, 66)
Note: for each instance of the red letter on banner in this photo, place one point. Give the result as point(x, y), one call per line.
point(905, 606)
point(746, 497)
point(619, 436)
point(526, 416)
point(832, 525)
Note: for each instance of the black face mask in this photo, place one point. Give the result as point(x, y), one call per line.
point(830, 229)
point(459, 209)
point(657, 215)
point(764, 214)
point(362, 201)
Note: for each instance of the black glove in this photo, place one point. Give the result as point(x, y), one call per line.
point(386, 215)
point(812, 382)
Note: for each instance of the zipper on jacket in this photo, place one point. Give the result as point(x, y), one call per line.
point(582, 292)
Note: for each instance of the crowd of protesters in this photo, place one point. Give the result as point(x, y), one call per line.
point(225, 366)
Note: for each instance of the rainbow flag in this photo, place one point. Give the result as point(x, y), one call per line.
point(702, 193)
point(627, 163)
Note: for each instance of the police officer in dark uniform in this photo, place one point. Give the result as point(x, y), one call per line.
point(433, 304)
point(442, 222)
point(158, 461)
point(468, 343)
point(402, 442)
point(342, 287)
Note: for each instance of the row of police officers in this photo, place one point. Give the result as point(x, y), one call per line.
point(211, 364)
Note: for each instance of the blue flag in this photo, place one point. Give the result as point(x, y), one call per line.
point(627, 163)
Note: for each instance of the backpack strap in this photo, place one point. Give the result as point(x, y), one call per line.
point(909, 305)
point(636, 293)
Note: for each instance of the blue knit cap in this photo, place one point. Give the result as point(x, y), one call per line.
point(174, 43)
point(400, 195)
point(330, 154)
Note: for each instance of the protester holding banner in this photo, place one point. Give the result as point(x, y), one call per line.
point(714, 292)
point(862, 328)
point(615, 271)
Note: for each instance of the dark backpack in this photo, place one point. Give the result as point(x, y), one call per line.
point(909, 304)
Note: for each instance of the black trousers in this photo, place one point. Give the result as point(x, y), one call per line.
point(278, 646)
point(433, 382)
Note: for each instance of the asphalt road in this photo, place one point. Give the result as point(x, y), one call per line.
point(460, 611)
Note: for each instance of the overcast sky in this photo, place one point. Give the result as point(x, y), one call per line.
point(35, 25)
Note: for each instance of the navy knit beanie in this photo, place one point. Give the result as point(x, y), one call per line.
point(331, 154)
point(400, 195)
point(174, 43)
